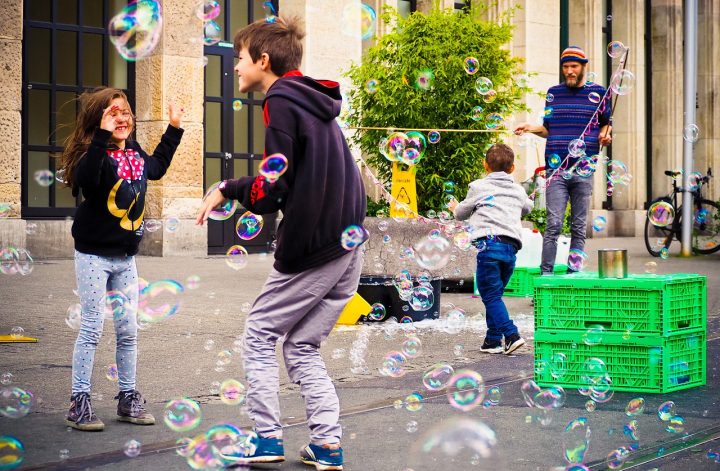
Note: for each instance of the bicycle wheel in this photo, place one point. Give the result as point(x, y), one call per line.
point(657, 238)
point(706, 227)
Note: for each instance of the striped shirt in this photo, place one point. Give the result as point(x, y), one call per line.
point(568, 113)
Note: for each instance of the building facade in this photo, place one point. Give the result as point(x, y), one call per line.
point(53, 50)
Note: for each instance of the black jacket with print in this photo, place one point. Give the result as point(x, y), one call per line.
point(113, 181)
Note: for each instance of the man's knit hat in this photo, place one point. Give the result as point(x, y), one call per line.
point(573, 53)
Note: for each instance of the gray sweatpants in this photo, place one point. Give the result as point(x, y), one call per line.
point(303, 308)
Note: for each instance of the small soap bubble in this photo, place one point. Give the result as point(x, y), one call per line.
point(635, 407)
point(111, 372)
point(471, 66)
point(232, 392)
point(590, 405)
point(599, 223)
point(666, 411)
point(353, 236)
point(411, 426)
point(132, 448)
point(483, 85)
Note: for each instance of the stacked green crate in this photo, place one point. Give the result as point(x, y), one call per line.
point(522, 279)
point(649, 330)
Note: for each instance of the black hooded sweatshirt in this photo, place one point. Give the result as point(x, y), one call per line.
point(321, 193)
point(110, 220)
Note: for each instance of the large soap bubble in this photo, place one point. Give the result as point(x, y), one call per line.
point(136, 30)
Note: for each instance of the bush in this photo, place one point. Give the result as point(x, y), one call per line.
point(438, 42)
point(539, 219)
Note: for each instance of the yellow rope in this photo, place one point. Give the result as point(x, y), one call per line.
point(379, 128)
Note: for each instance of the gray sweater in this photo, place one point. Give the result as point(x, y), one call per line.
point(494, 206)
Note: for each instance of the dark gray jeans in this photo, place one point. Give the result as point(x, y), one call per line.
point(577, 190)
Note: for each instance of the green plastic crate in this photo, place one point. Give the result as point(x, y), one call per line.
point(647, 304)
point(635, 362)
point(521, 281)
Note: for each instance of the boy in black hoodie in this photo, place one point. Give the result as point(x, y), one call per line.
point(320, 194)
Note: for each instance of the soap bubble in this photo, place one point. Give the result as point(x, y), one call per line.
point(622, 82)
point(353, 236)
point(483, 85)
point(15, 402)
point(132, 448)
point(137, 29)
point(212, 34)
point(661, 213)
point(576, 440)
point(12, 452)
point(182, 415)
point(249, 225)
point(236, 257)
point(438, 376)
point(44, 178)
point(471, 65)
point(207, 10)
point(377, 312)
point(635, 407)
point(432, 253)
point(666, 411)
point(466, 390)
point(599, 223)
point(576, 259)
point(691, 133)
point(232, 392)
point(225, 210)
point(616, 49)
point(273, 167)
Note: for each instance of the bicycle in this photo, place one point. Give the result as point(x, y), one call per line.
point(705, 235)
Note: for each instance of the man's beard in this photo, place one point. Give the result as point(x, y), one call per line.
point(579, 80)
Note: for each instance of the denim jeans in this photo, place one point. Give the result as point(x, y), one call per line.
point(95, 276)
point(495, 265)
point(577, 190)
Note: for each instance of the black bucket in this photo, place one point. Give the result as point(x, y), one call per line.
point(380, 289)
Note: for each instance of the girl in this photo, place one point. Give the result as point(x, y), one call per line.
point(112, 171)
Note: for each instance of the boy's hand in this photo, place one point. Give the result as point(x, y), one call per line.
point(213, 200)
point(175, 114)
point(452, 204)
point(107, 122)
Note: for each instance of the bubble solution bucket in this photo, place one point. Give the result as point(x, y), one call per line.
point(612, 263)
point(380, 289)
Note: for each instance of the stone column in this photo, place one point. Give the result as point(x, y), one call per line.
point(667, 91)
point(12, 228)
point(707, 150)
point(174, 72)
point(535, 39)
point(628, 26)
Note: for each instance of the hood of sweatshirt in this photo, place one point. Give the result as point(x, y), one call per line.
point(322, 98)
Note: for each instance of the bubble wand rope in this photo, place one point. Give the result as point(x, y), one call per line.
point(390, 128)
point(620, 68)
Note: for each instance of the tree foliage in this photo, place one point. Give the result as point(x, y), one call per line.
point(439, 42)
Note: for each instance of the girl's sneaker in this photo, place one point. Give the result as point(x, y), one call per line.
point(324, 458)
point(81, 415)
point(131, 408)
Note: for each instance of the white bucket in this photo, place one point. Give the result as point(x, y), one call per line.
point(531, 253)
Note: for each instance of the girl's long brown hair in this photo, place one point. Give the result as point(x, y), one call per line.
point(92, 105)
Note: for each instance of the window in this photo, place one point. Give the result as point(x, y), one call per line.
point(65, 52)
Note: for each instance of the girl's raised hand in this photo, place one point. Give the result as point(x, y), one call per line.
point(107, 122)
point(175, 114)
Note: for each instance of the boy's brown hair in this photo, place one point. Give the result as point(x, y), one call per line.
point(500, 158)
point(280, 39)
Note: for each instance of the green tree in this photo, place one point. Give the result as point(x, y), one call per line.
point(435, 45)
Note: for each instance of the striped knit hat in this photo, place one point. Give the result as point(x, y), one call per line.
point(575, 54)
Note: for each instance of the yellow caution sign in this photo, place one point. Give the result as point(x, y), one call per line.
point(356, 307)
point(404, 204)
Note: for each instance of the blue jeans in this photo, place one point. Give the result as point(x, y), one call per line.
point(95, 276)
point(495, 266)
point(577, 190)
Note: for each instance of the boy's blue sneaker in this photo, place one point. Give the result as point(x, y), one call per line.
point(324, 459)
point(269, 450)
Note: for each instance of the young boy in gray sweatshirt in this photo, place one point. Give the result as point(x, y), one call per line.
point(493, 207)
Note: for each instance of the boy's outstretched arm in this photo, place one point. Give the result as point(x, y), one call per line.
point(257, 194)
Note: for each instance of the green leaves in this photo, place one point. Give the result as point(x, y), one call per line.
point(439, 42)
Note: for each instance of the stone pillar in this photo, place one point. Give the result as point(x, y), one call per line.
point(628, 26)
point(667, 91)
point(707, 149)
point(12, 228)
point(174, 72)
point(536, 39)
